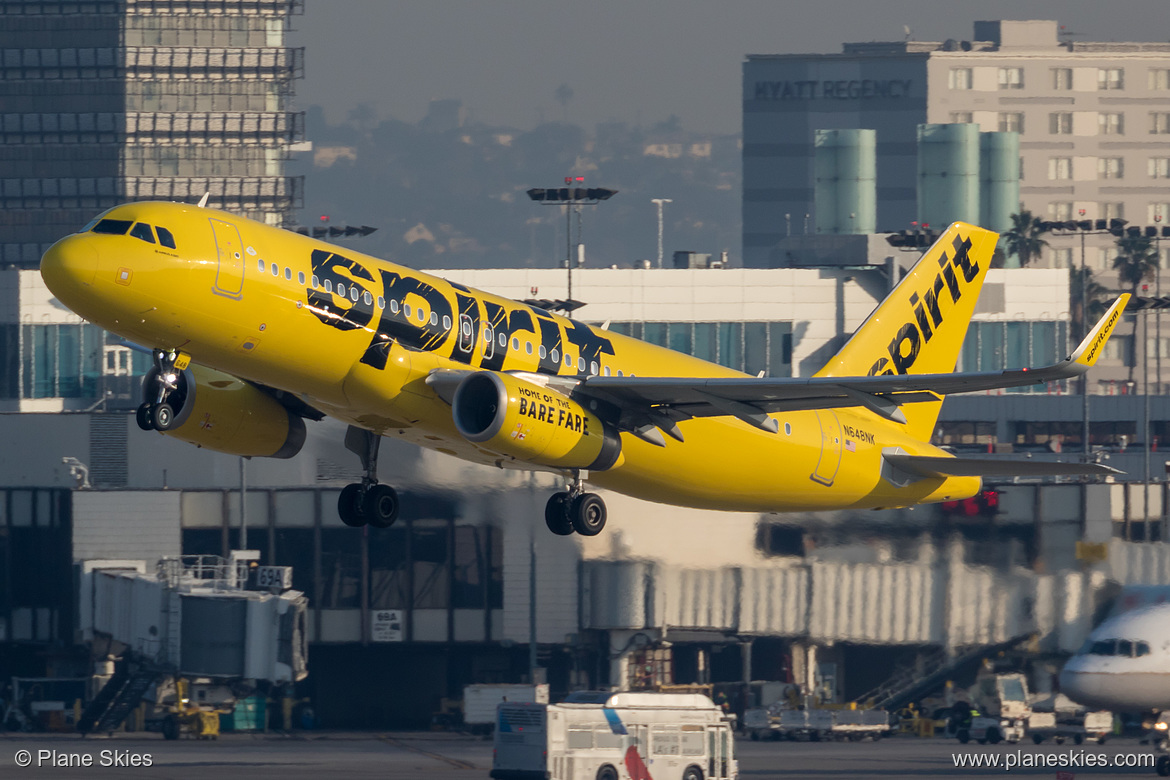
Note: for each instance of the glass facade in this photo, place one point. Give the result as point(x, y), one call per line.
point(995, 346)
point(750, 347)
point(107, 102)
point(68, 361)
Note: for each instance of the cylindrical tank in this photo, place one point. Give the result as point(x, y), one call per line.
point(948, 174)
point(999, 179)
point(845, 196)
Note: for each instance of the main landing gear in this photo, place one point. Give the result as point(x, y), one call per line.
point(367, 502)
point(169, 394)
point(575, 510)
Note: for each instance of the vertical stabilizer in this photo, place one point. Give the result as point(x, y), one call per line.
point(919, 328)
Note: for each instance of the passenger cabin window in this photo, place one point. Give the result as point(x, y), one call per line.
point(166, 238)
point(113, 227)
point(142, 231)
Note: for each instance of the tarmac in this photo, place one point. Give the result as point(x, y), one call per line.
point(446, 756)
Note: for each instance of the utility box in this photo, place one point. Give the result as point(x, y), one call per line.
point(480, 701)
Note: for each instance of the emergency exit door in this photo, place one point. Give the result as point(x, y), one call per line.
point(229, 268)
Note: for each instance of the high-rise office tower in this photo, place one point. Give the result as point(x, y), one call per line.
point(108, 101)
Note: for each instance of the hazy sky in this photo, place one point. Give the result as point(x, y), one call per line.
point(633, 60)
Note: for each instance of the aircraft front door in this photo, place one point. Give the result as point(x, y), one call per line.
point(229, 269)
point(830, 458)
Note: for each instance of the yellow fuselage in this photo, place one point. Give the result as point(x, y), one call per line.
point(239, 296)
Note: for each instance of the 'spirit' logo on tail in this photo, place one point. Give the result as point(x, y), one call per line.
point(928, 313)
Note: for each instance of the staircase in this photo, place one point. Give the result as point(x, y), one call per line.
point(118, 697)
point(909, 683)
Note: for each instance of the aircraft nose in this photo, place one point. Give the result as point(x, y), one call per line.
point(70, 262)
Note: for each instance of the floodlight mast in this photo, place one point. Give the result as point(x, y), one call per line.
point(570, 197)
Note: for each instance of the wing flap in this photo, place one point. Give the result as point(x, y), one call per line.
point(930, 466)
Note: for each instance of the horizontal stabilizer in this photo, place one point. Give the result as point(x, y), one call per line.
point(933, 466)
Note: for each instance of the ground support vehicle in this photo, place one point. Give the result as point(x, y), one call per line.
point(815, 724)
point(614, 736)
point(1048, 725)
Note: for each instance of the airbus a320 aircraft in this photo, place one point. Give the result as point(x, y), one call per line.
point(255, 329)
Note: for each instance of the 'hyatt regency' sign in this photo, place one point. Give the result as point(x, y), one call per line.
point(863, 89)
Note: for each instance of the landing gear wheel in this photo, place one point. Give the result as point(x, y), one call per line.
point(993, 736)
point(349, 506)
point(380, 506)
point(588, 513)
point(1037, 739)
point(144, 417)
point(171, 728)
point(556, 514)
point(963, 736)
point(164, 417)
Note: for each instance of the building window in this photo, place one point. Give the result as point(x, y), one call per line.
point(1111, 123)
point(1159, 79)
point(1062, 78)
point(1110, 167)
point(1060, 211)
point(1059, 168)
point(1158, 214)
point(959, 78)
point(1159, 168)
point(1012, 122)
point(1060, 123)
point(1011, 78)
point(962, 117)
point(968, 433)
point(1062, 257)
point(1159, 123)
point(1111, 78)
point(1110, 210)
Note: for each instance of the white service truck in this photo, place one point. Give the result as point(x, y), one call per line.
point(480, 701)
point(615, 736)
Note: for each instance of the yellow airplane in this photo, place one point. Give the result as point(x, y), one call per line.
point(254, 329)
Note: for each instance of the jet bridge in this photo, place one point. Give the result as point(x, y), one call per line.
point(197, 616)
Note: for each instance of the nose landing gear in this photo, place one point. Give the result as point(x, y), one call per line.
point(368, 501)
point(169, 393)
point(575, 510)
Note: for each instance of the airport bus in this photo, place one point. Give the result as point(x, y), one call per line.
point(614, 736)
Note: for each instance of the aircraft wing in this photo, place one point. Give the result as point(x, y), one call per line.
point(659, 402)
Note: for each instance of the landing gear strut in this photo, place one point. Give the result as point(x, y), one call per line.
point(367, 502)
point(168, 394)
point(575, 510)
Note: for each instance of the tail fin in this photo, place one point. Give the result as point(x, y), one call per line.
point(919, 328)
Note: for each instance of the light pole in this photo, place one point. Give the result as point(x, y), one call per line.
point(570, 197)
point(660, 202)
point(1084, 327)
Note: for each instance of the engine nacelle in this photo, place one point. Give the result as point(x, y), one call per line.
point(533, 423)
point(220, 412)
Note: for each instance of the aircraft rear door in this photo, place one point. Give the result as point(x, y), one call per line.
point(229, 269)
point(830, 458)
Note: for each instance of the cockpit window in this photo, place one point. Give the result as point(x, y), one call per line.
point(1104, 647)
point(114, 227)
point(165, 238)
point(142, 230)
point(1141, 648)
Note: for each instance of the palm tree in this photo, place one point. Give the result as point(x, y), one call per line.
point(1024, 238)
point(1136, 262)
point(1087, 299)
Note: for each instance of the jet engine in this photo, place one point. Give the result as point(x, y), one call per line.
point(211, 409)
point(533, 423)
